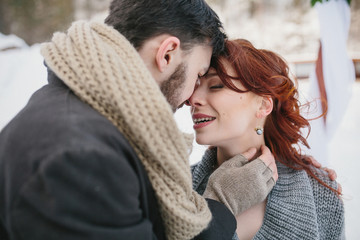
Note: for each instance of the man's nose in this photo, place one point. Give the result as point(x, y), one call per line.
point(196, 99)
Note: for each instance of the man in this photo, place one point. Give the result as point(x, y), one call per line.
point(96, 153)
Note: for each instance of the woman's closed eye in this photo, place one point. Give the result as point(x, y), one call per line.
point(217, 86)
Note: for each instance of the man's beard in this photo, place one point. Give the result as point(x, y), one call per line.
point(174, 85)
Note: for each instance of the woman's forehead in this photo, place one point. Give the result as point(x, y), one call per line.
point(211, 72)
point(228, 68)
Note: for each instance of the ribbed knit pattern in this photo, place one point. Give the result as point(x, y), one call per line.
point(202, 170)
point(298, 207)
point(105, 71)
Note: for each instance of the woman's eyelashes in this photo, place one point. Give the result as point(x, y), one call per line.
point(217, 86)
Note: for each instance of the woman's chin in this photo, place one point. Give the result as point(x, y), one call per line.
point(202, 141)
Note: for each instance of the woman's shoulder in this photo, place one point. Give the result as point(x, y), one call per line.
point(320, 189)
point(328, 207)
point(320, 174)
point(325, 187)
point(325, 190)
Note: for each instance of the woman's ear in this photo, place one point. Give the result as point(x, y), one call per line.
point(266, 107)
point(166, 53)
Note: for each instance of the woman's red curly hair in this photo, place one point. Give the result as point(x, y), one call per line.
point(267, 74)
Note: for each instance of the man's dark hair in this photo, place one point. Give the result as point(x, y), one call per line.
point(192, 21)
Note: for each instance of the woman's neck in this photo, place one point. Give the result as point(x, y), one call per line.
point(230, 149)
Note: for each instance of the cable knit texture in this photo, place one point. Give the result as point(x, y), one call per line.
point(105, 71)
point(298, 207)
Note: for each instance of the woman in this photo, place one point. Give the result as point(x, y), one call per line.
point(246, 100)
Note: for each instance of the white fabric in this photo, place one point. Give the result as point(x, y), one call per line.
point(21, 73)
point(339, 75)
point(11, 41)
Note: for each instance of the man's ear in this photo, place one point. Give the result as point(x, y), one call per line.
point(266, 107)
point(166, 53)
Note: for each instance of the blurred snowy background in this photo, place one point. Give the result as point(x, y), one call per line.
point(288, 27)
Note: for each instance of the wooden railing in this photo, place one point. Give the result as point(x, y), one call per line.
point(302, 69)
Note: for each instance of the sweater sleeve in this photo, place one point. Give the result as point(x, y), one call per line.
point(89, 193)
point(329, 208)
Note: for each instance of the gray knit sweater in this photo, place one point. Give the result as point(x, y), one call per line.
point(298, 207)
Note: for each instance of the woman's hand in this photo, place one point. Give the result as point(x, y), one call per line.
point(240, 184)
point(331, 173)
point(266, 156)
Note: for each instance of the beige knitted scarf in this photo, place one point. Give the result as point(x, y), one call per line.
point(105, 71)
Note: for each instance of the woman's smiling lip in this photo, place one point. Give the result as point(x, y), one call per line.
point(201, 120)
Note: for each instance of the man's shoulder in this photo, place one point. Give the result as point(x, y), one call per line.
point(54, 112)
point(56, 125)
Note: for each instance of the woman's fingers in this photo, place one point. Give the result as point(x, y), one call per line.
point(314, 162)
point(250, 153)
point(269, 160)
point(331, 173)
point(266, 156)
point(273, 168)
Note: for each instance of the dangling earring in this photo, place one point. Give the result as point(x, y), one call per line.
point(259, 130)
